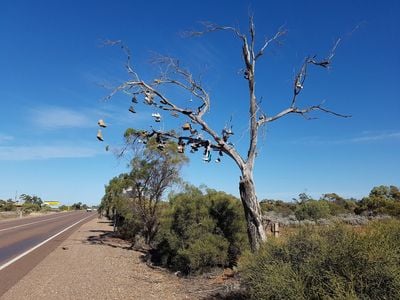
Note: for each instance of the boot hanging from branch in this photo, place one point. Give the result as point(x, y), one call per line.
point(298, 84)
point(100, 135)
point(181, 146)
point(246, 74)
point(132, 109)
point(161, 139)
point(226, 133)
point(134, 100)
point(148, 98)
point(207, 152)
point(207, 157)
point(195, 147)
point(101, 123)
point(186, 126)
point(193, 131)
point(157, 117)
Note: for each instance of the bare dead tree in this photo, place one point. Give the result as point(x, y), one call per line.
point(173, 75)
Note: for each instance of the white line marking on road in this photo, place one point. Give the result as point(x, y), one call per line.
point(30, 223)
point(38, 245)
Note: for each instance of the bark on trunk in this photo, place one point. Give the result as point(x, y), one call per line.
point(252, 210)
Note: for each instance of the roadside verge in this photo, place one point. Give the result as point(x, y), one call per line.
point(84, 267)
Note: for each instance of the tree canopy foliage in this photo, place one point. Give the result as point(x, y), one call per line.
point(135, 197)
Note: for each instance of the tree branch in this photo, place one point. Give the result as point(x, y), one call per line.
point(281, 31)
point(211, 27)
point(300, 78)
point(298, 86)
point(304, 112)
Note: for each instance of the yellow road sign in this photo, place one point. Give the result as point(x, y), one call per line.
point(52, 203)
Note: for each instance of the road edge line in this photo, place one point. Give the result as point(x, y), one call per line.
point(38, 245)
point(22, 225)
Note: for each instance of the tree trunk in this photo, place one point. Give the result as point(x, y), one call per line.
point(252, 211)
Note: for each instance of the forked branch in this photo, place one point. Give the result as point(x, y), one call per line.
point(298, 86)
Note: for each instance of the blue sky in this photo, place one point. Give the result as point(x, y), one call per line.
point(54, 74)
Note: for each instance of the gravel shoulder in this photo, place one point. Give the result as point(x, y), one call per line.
point(90, 264)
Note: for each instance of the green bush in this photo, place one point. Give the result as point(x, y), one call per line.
point(374, 205)
point(333, 262)
point(129, 227)
point(278, 206)
point(45, 208)
point(63, 208)
point(227, 212)
point(312, 210)
point(382, 200)
point(8, 205)
point(27, 208)
point(207, 251)
point(200, 231)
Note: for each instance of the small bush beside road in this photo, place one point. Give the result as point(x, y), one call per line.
point(200, 231)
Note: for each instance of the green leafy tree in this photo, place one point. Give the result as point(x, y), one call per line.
point(394, 193)
point(31, 203)
point(32, 200)
point(77, 206)
point(153, 171)
point(338, 204)
point(112, 200)
point(386, 192)
point(381, 200)
point(136, 196)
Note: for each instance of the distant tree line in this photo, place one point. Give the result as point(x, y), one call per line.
point(382, 200)
point(30, 203)
point(33, 203)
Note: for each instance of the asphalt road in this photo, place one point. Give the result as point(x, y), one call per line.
point(25, 242)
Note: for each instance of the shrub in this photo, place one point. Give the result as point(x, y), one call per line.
point(129, 228)
point(333, 262)
point(205, 252)
point(312, 210)
point(379, 206)
point(63, 208)
point(227, 211)
point(278, 206)
point(27, 208)
point(201, 231)
point(46, 208)
point(8, 205)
